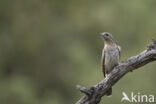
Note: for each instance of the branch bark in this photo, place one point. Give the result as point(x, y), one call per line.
point(93, 94)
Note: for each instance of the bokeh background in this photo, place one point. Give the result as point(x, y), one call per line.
point(47, 47)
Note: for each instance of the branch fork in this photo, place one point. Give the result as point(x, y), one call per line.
point(94, 94)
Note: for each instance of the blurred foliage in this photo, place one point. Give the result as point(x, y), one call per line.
point(49, 46)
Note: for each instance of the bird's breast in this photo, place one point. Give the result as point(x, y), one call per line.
point(111, 58)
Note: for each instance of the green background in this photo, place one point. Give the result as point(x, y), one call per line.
point(47, 47)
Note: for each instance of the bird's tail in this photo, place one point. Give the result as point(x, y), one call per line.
point(109, 92)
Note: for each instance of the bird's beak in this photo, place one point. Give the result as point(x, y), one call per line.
point(102, 35)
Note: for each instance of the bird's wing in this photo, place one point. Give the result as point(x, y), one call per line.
point(119, 49)
point(103, 62)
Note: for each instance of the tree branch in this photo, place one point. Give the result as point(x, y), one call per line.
point(93, 95)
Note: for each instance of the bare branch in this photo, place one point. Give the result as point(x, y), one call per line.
point(88, 92)
point(94, 94)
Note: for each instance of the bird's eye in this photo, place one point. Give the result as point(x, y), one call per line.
point(106, 34)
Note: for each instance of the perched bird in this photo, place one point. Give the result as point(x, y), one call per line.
point(110, 56)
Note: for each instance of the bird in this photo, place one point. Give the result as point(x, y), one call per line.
point(110, 56)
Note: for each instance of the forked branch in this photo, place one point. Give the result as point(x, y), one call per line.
point(93, 94)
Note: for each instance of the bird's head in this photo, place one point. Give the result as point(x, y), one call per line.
point(108, 38)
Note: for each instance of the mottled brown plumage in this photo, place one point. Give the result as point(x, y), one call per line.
point(110, 55)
